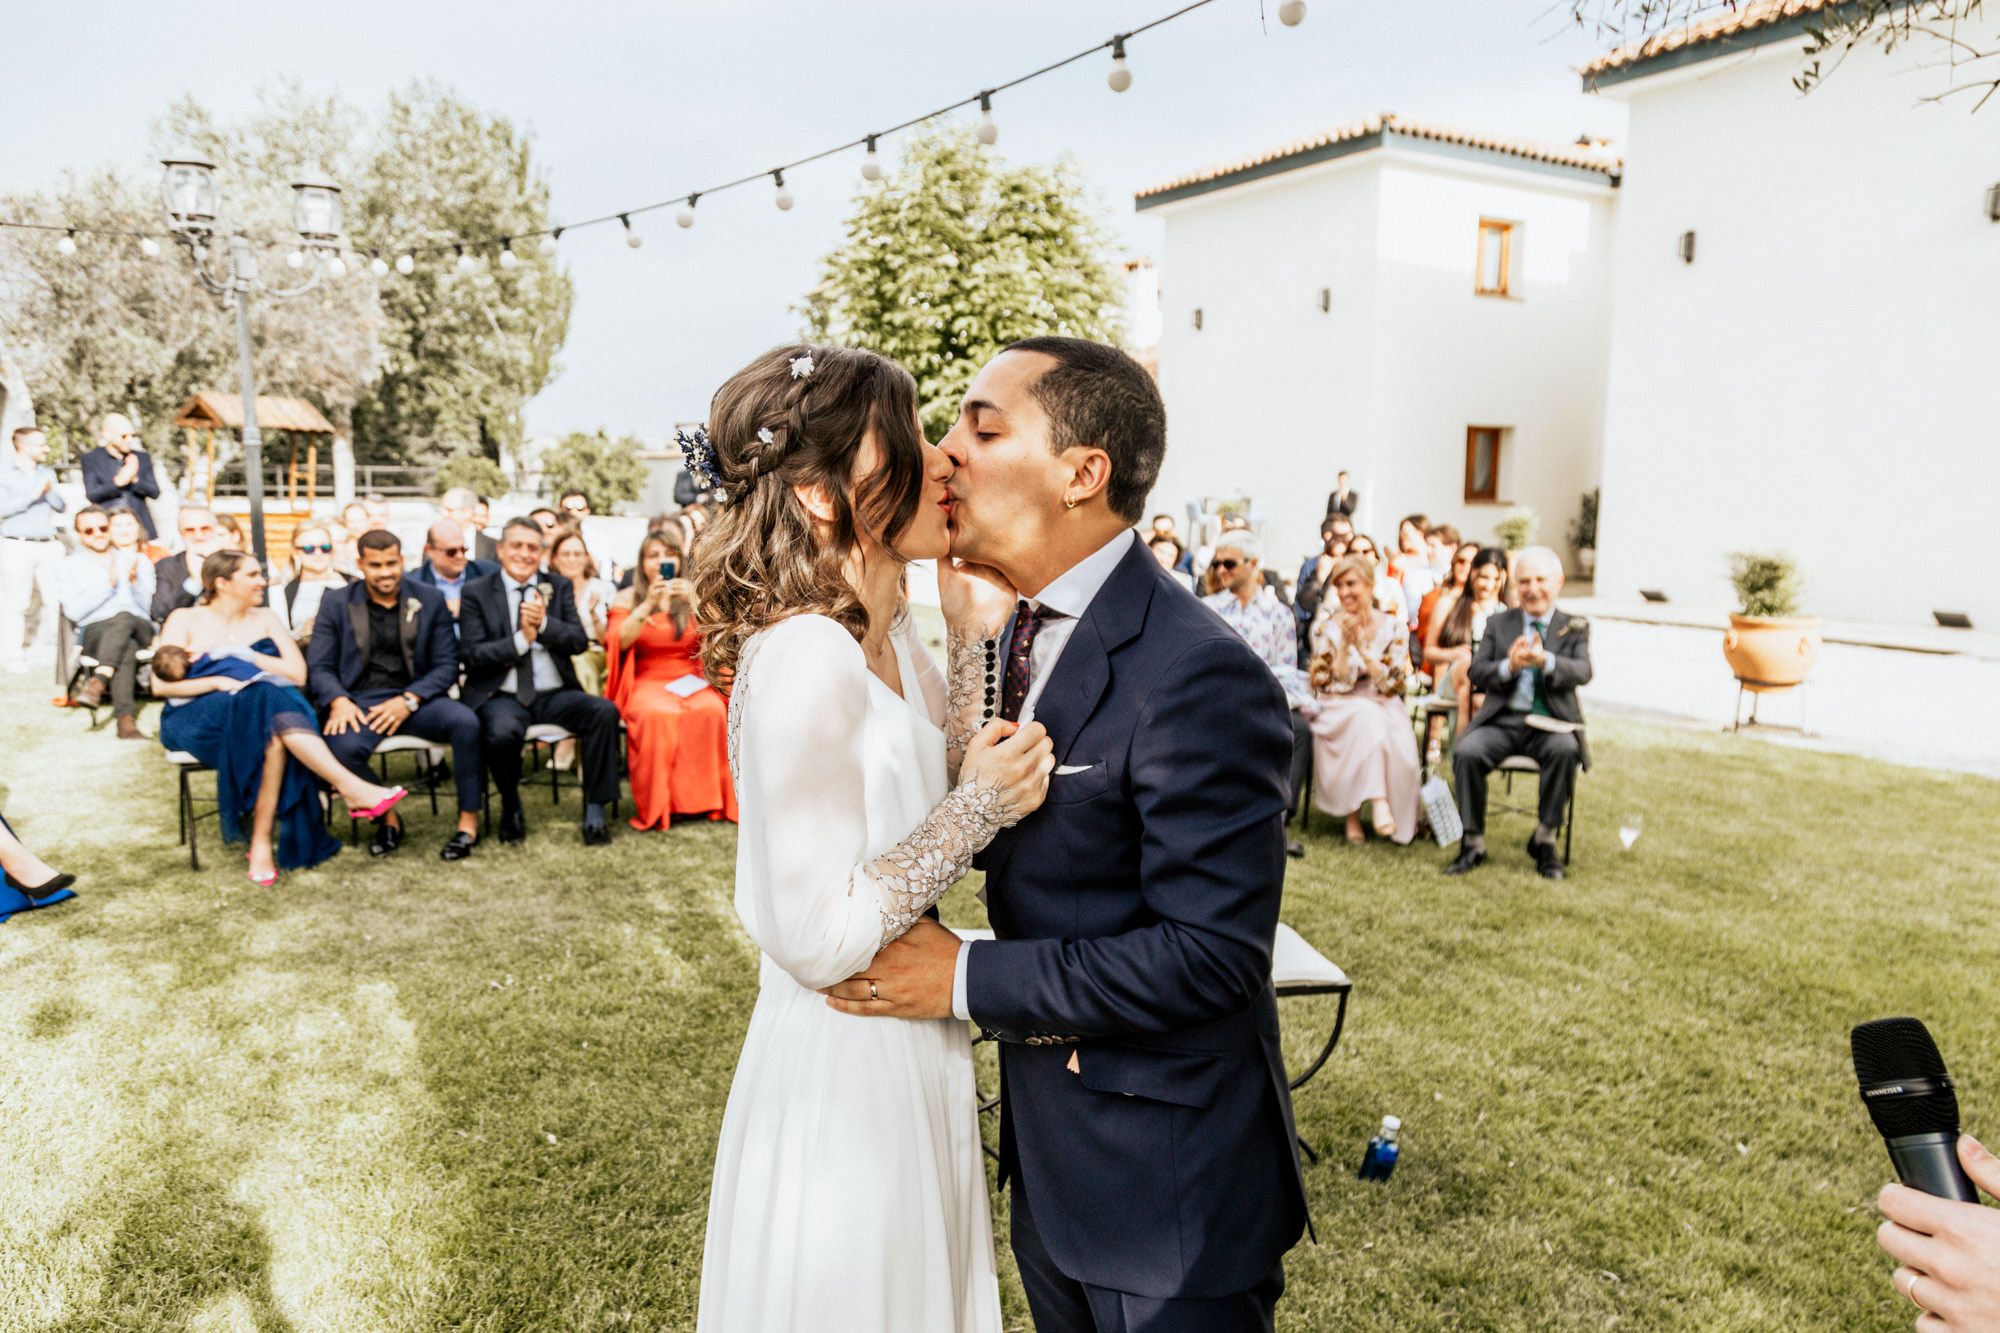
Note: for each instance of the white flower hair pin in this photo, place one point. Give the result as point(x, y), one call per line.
point(764, 434)
point(802, 366)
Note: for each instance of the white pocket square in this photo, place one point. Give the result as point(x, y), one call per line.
point(1066, 769)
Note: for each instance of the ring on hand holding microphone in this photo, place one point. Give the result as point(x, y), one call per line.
point(1911, 1292)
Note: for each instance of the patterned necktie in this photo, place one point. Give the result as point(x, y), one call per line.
point(1028, 622)
point(524, 670)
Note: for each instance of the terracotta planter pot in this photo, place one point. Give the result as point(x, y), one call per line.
point(1763, 650)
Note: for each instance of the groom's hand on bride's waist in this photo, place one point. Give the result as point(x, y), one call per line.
point(910, 978)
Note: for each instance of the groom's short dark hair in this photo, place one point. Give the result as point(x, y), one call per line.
point(1096, 395)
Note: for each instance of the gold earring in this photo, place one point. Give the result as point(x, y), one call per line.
point(1069, 502)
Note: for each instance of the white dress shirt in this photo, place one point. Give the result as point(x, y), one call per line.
point(1071, 593)
point(547, 679)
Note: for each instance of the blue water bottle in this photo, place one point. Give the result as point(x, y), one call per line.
point(1380, 1159)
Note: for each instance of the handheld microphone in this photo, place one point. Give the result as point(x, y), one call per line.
point(1909, 1096)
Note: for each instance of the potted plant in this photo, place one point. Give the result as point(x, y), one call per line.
point(1768, 642)
point(1583, 535)
point(1516, 532)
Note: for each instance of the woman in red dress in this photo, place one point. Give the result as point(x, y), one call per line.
point(679, 743)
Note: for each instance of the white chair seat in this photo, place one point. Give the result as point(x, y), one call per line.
point(544, 732)
point(1519, 763)
point(404, 744)
point(183, 759)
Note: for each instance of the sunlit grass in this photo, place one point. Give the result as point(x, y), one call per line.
point(410, 1096)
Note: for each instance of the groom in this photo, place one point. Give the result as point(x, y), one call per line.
point(1147, 1130)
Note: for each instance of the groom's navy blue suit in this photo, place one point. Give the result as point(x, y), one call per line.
point(1135, 913)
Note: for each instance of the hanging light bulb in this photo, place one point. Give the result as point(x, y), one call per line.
point(632, 238)
point(1292, 13)
point(67, 245)
point(149, 247)
point(871, 165)
point(547, 244)
point(784, 200)
point(1120, 77)
point(296, 259)
point(466, 263)
point(685, 218)
point(379, 266)
point(406, 264)
point(507, 256)
point(336, 267)
point(988, 132)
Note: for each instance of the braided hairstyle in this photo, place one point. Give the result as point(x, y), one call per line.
point(760, 560)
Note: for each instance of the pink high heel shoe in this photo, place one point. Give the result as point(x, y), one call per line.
point(383, 807)
point(264, 882)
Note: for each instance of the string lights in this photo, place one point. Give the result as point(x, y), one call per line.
point(1291, 13)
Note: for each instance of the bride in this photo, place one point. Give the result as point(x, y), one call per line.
point(849, 1190)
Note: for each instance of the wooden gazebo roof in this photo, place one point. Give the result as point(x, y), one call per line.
point(208, 410)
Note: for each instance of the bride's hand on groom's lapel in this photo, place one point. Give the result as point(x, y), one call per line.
point(911, 978)
point(976, 599)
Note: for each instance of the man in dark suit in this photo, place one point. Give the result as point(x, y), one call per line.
point(381, 662)
point(1147, 1131)
point(461, 505)
point(517, 631)
point(1528, 663)
point(445, 566)
point(177, 577)
point(120, 472)
point(1344, 499)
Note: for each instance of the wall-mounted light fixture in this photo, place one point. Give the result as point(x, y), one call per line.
point(1197, 316)
point(1687, 247)
point(1326, 300)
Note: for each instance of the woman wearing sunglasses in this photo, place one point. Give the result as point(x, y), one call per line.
point(313, 574)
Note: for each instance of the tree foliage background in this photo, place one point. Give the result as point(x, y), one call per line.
point(606, 470)
point(956, 254)
point(422, 369)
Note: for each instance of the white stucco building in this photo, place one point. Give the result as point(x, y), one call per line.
point(1424, 307)
point(1805, 346)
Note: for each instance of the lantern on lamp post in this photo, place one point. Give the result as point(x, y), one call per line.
point(192, 201)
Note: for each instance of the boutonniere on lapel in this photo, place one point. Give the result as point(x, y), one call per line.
point(1574, 622)
point(411, 606)
point(546, 589)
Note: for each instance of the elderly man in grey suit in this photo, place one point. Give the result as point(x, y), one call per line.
point(1528, 663)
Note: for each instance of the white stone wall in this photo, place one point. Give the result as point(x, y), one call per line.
point(1825, 376)
point(1272, 396)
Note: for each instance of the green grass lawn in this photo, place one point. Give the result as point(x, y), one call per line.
point(409, 1096)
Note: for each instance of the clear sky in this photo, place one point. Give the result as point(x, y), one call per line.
point(630, 103)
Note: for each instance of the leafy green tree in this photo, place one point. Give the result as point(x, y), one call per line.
point(604, 469)
point(462, 352)
point(955, 255)
point(474, 472)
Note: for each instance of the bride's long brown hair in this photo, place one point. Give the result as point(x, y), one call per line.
point(759, 561)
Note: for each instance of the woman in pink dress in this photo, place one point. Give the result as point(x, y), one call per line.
point(1363, 747)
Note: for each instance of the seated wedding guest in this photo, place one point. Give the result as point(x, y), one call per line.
point(1167, 550)
point(1163, 526)
point(177, 579)
point(570, 559)
point(462, 505)
point(119, 471)
point(574, 504)
point(1388, 592)
point(1457, 628)
point(518, 630)
point(26, 880)
point(297, 603)
point(1310, 590)
point(1363, 750)
point(106, 594)
point(1947, 1250)
point(229, 531)
point(240, 712)
point(445, 566)
point(382, 663)
point(1455, 565)
point(1443, 541)
point(127, 535)
point(171, 662)
point(677, 727)
point(546, 520)
point(353, 522)
point(376, 505)
point(1265, 624)
point(1528, 663)
point(1411, 565)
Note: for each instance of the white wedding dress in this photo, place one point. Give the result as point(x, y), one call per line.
point(849, 1191)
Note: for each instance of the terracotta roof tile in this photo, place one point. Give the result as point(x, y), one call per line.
point(1736, 19)
point(1593, 156)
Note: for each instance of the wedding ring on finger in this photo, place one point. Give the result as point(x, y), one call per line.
point(874, 996)
point(1911, 1292)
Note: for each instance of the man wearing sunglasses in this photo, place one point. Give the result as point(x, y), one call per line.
point(106, 593)
point(177, 579)
point(446, 566)
point(119, 471)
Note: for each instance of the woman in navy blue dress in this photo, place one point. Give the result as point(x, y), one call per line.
point(240, 711)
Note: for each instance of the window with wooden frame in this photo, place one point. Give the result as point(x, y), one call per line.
point(1482, 463)
point(1496, 258)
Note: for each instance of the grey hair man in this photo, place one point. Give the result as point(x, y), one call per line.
point(1529, 664)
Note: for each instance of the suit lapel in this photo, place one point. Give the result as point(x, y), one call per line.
point(408, 624)
point(357, 618)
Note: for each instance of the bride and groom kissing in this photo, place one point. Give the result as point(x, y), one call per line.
point(1112, 756)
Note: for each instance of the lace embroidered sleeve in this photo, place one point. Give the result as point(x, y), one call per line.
point(917, 871)
point(972, 694)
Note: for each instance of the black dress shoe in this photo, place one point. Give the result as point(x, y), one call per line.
point(458, 848)
point(1469, 858)
point(1547, 863)
point(1294, 848)
point(388, 837)
point(513, 824)
point(596, 835)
